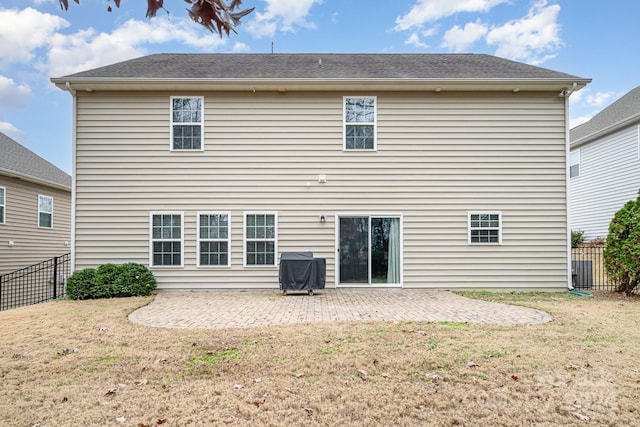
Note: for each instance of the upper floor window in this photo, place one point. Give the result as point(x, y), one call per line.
point(187, 123)
point(213, 239)
point(359, 123)
point(166, 239)
point(260, 234)
point(485, 227)
point(45, 211)
point(574, 164)
point(2, 204)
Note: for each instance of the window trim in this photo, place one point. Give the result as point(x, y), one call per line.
point(577, 151)
point(152, 240)
point(199, 239)
point(499, 228)
point(50, 213)
point(374, 123)
point(244, 239)
point(171, 123)
point(3, 217)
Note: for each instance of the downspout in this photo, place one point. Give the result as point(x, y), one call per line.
point(73, 176)
point(566, 94)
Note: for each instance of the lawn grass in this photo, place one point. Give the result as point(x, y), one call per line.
point(77, 363)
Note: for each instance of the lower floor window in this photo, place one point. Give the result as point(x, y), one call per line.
point(166, 239)
point(213, 239)
point(260, 238)
point(485, 227)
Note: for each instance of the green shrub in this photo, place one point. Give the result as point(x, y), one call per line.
point(111, 280)
point(577, 238)
point(622, 253)
point(134, 280)
point(80, 283)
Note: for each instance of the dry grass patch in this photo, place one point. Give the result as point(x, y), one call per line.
point(82, 363)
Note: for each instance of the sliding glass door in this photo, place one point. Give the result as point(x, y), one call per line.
point(369, 250)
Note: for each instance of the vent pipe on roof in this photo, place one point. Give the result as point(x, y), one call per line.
point(319, 62)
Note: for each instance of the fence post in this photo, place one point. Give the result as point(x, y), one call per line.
point(55, 277)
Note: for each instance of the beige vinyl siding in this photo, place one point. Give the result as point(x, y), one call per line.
point(438, 157)
point(32, 244)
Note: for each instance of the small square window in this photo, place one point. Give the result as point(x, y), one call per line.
point(485, 227)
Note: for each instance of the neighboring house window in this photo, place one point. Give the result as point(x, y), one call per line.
point(260, 234)
point(187, 123)
point(574, 164)
point(2, 204)
point(359, 123)
point(45, 211)
point(213, 239)
point(485, 227)
point(166, 239)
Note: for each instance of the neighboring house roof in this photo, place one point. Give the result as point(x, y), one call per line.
point(622, 113)
point(20, 162)
point(313, 68)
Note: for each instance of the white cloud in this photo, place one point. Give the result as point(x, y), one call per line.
point(12, 131)
point(414, 40)
point(461, 39)
point(599, 99)
point(88, 49)
point(532, 38)
point(13, 95)
point(425, 11)
point(284, 15)
point(24, 31)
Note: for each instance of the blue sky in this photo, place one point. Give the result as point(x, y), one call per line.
point(596, 39)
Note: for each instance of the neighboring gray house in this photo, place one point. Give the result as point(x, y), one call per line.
point(605, 165)
point(418, 171)
point(35, 208)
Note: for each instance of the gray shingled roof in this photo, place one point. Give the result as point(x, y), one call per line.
point(18, 160)
point(322, 66)
point(623, 109)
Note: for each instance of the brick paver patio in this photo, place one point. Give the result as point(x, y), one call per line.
point(252, 308)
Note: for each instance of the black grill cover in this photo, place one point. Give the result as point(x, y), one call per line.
point(301, 271)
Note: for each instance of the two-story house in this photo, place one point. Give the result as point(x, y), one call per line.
point(420, 171)
point(605, 165)
point(35, 208)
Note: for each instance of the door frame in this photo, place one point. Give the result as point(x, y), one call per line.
point(337, 247)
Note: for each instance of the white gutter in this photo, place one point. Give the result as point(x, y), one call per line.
point(567, 151)
point(73, 176)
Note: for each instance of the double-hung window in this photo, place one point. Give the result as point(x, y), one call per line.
point(574, 164)
point(2, 204)
point(187, 123)
point(213, 239)
point(485, 227)
point(166, 241)
point(45, 211)
point(360, 123)
point(260, 239)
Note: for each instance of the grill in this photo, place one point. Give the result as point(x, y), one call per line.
point(300, 271)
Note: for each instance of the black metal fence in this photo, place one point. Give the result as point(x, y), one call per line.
point(36, 284)
point(587, 265)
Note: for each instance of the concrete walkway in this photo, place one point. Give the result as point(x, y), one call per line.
point(254, 308)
